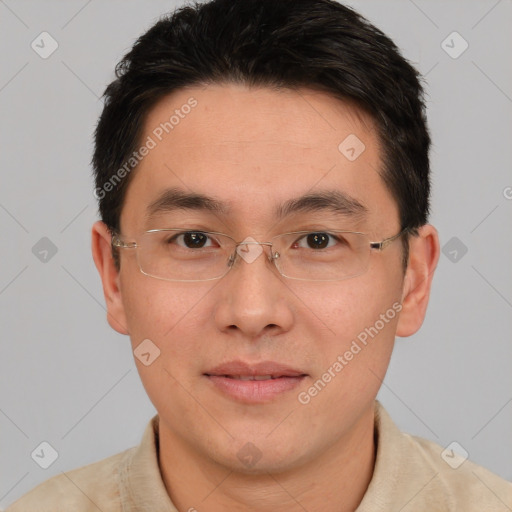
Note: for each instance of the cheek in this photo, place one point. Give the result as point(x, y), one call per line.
point(355, 354)
point(351, 306)
point(362, 316)
point(169, 314)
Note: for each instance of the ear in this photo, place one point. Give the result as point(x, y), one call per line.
point(102, 254)
point(423, 258)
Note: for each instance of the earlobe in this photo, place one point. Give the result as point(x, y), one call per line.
point(102, 255)
point(423, 258)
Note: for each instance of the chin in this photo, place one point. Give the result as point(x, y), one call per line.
point(262, 456)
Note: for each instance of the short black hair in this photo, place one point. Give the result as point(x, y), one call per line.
point(317, 44)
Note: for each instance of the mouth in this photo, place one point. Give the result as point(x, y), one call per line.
point(254, 383)
point(248, 377)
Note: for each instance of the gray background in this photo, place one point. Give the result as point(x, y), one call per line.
point(68, 379)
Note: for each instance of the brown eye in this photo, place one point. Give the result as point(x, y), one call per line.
point(314, 241)
point(318, 240)
point(191, 240)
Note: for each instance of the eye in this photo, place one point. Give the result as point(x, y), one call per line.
point(191, 239)
point(320, 240)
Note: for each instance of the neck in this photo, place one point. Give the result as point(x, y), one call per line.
point(335, 480)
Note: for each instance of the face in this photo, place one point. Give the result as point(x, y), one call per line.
point(253, 150)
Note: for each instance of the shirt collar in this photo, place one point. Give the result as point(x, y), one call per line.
point(140, 482)
point(400, 472)
point(394, 477)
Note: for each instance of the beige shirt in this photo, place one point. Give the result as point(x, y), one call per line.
point(410, 475)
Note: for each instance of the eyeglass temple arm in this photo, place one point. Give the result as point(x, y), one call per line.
point(117, 242)
point(384, 243)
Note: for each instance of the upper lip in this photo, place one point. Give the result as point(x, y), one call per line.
point(271, 368)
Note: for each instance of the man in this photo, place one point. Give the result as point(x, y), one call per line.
point(263, 182)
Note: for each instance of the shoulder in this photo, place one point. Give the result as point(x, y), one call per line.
point(89, 488)
point(466, 485)
point(415, 474)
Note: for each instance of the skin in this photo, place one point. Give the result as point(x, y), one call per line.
point(253, 149)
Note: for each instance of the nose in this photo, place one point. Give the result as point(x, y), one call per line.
point(253, 299)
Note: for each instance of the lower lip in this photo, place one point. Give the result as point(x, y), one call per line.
point(254, 391)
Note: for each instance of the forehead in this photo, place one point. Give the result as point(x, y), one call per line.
point(255, 148)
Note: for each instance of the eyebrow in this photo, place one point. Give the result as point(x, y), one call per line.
point(333, 201)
